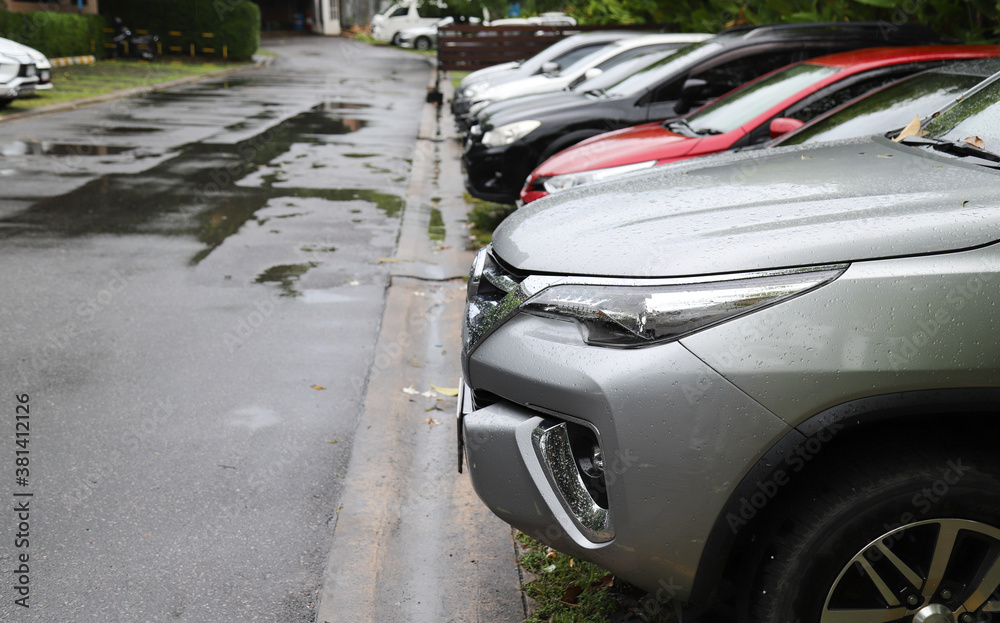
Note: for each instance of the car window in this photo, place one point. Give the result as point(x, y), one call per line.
point(619, 72)
point(728, 72)
point(747, 103)
point(400, 12)
point(845, 91)
point(976, 116)
point(650, 76)
point(891, 107)
point(571, 57)
point(636, 52)
point(724, 77)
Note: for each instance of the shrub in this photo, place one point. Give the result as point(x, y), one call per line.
point(55, 34)
point(235, 23)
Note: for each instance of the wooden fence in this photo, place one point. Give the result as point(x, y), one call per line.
point(467, 48)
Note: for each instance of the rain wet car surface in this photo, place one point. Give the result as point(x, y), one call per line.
point(192, 287)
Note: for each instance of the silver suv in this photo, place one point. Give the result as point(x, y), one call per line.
point(765, 385)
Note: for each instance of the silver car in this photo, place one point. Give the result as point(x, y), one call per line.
point(764, 385)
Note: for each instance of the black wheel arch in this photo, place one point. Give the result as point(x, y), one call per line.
point(813, 444)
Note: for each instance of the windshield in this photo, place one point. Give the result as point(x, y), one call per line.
point(976, 115)
point(891, 107)
point(648, 77)
point(748, 102)
point(621, 71)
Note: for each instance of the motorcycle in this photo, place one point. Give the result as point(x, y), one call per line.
point(128, 45)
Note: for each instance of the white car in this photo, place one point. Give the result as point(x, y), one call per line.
point(19, 71)
point(402, 15)
point(426, 37)
point(555, 78)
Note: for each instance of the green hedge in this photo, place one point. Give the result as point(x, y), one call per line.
point(235, 23)
point(55, 34)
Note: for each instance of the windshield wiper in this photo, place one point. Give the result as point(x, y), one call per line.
point(681, 126)
point(955, 148)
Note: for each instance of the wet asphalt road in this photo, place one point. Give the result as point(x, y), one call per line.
point(191, 292)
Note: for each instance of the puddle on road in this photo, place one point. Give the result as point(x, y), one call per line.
point(48, 148)
point(195, 192)
point(285, 275)
point(435, 227)
point(122, 130)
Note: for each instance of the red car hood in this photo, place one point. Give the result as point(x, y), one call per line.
point(642, 143)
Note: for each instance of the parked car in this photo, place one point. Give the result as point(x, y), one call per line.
point(753, 114)
point(426, 37)
point(42, 65)
point(18, 72)
point(895, 105)
point(562, 54)
point(554, 78)
point(771, 394)
point(507, 146)
point(402, 15)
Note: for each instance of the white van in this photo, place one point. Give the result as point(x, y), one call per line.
point(406, 14)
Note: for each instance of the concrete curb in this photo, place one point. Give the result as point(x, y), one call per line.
point(412, 542)
point(66, 61)
point(128, 93)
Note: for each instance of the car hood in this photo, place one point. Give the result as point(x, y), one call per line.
point(641, 143)
point(554, 105)
point(540, 83)
point(849, 201)
point(528, 107)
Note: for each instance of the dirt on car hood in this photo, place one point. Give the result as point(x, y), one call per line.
point(851, 201)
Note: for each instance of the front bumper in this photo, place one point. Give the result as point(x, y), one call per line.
point(497, 173)
point(676, 438)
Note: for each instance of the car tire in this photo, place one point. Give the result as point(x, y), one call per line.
point(395, 40)
point(873, 539)
point(422, 43)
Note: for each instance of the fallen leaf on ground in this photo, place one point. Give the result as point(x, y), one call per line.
point(318, 387)
point(912, 129)
point(333, 441)
point(604, 582)
point(445, 391)
point(431, 421)
point(975, 141)
point(572, 592)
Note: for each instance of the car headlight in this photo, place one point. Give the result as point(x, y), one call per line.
point(626, 316)
point(558, 183)
point(473, 90)
point(507, 134)
point(478, 107)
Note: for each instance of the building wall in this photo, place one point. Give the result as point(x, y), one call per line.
point(57, 6)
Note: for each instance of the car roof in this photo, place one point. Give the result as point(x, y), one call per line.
point(875, 57)
point(884, 32)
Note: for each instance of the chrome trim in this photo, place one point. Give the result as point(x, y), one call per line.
point(552, 444)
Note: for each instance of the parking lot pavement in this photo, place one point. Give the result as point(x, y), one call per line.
point(413, 543)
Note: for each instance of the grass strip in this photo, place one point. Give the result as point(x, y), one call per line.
point(567, 590)
point(77, 82)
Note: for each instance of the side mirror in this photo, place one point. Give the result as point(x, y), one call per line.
point(783, 125)
point(593, 72)
point(692, 92)
point(551, 68)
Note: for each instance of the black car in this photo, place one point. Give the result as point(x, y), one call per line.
point(506, 145)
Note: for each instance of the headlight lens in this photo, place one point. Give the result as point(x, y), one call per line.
point(507, 134)
point(625, 316)
point(565, 182)
point(474, 89)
